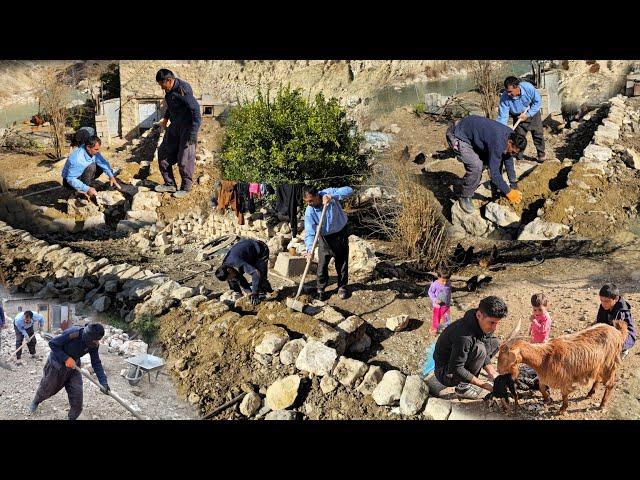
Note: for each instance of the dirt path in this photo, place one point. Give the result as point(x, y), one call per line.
point(156, 399)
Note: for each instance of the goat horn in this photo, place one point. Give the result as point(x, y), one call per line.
point(513, 334)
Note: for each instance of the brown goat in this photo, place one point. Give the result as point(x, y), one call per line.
point(569, 361)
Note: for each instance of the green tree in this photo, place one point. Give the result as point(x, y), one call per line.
point(292, 140)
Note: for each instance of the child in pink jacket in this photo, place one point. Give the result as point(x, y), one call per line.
point(440, 295)
point(540, 319)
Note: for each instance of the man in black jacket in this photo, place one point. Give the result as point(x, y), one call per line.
point(246, 256)
point(614, 307)
point(466, 347)
point(181, 138)
point(59, 371)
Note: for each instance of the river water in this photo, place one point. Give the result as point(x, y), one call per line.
point(389, 98)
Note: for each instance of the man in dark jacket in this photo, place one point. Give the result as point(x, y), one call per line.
point(246, 256)
point(466, 347)
point(614, 307)
point(181, 138)
point(479, 141)
point(59, 371)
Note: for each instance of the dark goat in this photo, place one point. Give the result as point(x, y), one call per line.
point(503, 388)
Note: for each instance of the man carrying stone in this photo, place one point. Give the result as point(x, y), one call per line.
point(84, 166)
point(334, 236)
point(23, 324)
point(517, 97)
point(181, 138)
point(479, 141)
point(246, 256)
point(467, 346)
point(59, 371)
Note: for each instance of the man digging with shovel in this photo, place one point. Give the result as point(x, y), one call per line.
point(334, 235)
point(60, 369)
point(23, 324)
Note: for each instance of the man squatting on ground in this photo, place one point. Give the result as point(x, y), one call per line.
point(467, 346)
point(84, 166)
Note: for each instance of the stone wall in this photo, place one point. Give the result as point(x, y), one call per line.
point(230, 80)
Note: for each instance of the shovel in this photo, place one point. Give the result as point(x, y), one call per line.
point(6, 365)
point(518, 122)
point(294, 303)
point(112, 394)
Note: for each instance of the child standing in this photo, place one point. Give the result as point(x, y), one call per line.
point(440, 295)
point(540, 319)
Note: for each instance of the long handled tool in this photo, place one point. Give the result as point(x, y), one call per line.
point(519, 120)
point(6, 365)
point(112, 394)
point(294, 303)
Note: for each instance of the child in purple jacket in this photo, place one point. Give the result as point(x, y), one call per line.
point(440, 295)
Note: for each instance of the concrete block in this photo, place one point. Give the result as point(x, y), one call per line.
point(289, 266)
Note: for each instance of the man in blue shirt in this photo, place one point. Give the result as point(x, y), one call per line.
point(478, 141)
point(519, 95)
point(246, 256)
point(84, 166)
point(23, 324)
point(59, 371)
point(333, 241)
point(181, 138)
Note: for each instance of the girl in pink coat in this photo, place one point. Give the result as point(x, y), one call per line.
point(540, 319)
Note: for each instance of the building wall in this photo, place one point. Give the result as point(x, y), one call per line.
point(230, 80)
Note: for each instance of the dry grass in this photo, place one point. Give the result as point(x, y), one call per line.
point(412, 220)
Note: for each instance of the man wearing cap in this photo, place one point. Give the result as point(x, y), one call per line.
point(59, 371)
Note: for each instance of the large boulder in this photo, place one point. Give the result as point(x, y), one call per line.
point(145, 201)
point(397, 323)
point(272, 342)
point(501, 215)
point(291, 350)
point(316, 358)
point(541, 230)
point(472, 223)
point(109, 198)
point(371, 380)
point(389, 389)
point(250, 404)
point(362, 258)
point(414, 394)
point(598, 152)
point(283, 393)
point(348, 371)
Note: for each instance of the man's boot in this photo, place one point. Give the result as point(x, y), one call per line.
point(165, 188)
point(466, 204)
point(541, 157)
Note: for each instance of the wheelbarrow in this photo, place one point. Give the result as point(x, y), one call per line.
point(141, 364)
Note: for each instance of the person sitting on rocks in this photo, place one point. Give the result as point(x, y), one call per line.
point(479, 141)
point(467, 346)
point(84, 166)
point(246, 256)
point(614, 307)
point(23, 324)
point(60, 371)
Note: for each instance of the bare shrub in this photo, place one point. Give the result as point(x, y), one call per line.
point(486, 78)
point(412, 219)
point(54, 94)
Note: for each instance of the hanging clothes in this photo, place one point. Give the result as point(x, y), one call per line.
point(254, 190)
point(216, 194)
point(289, 197)
point(245, 201)
point(229, 197)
